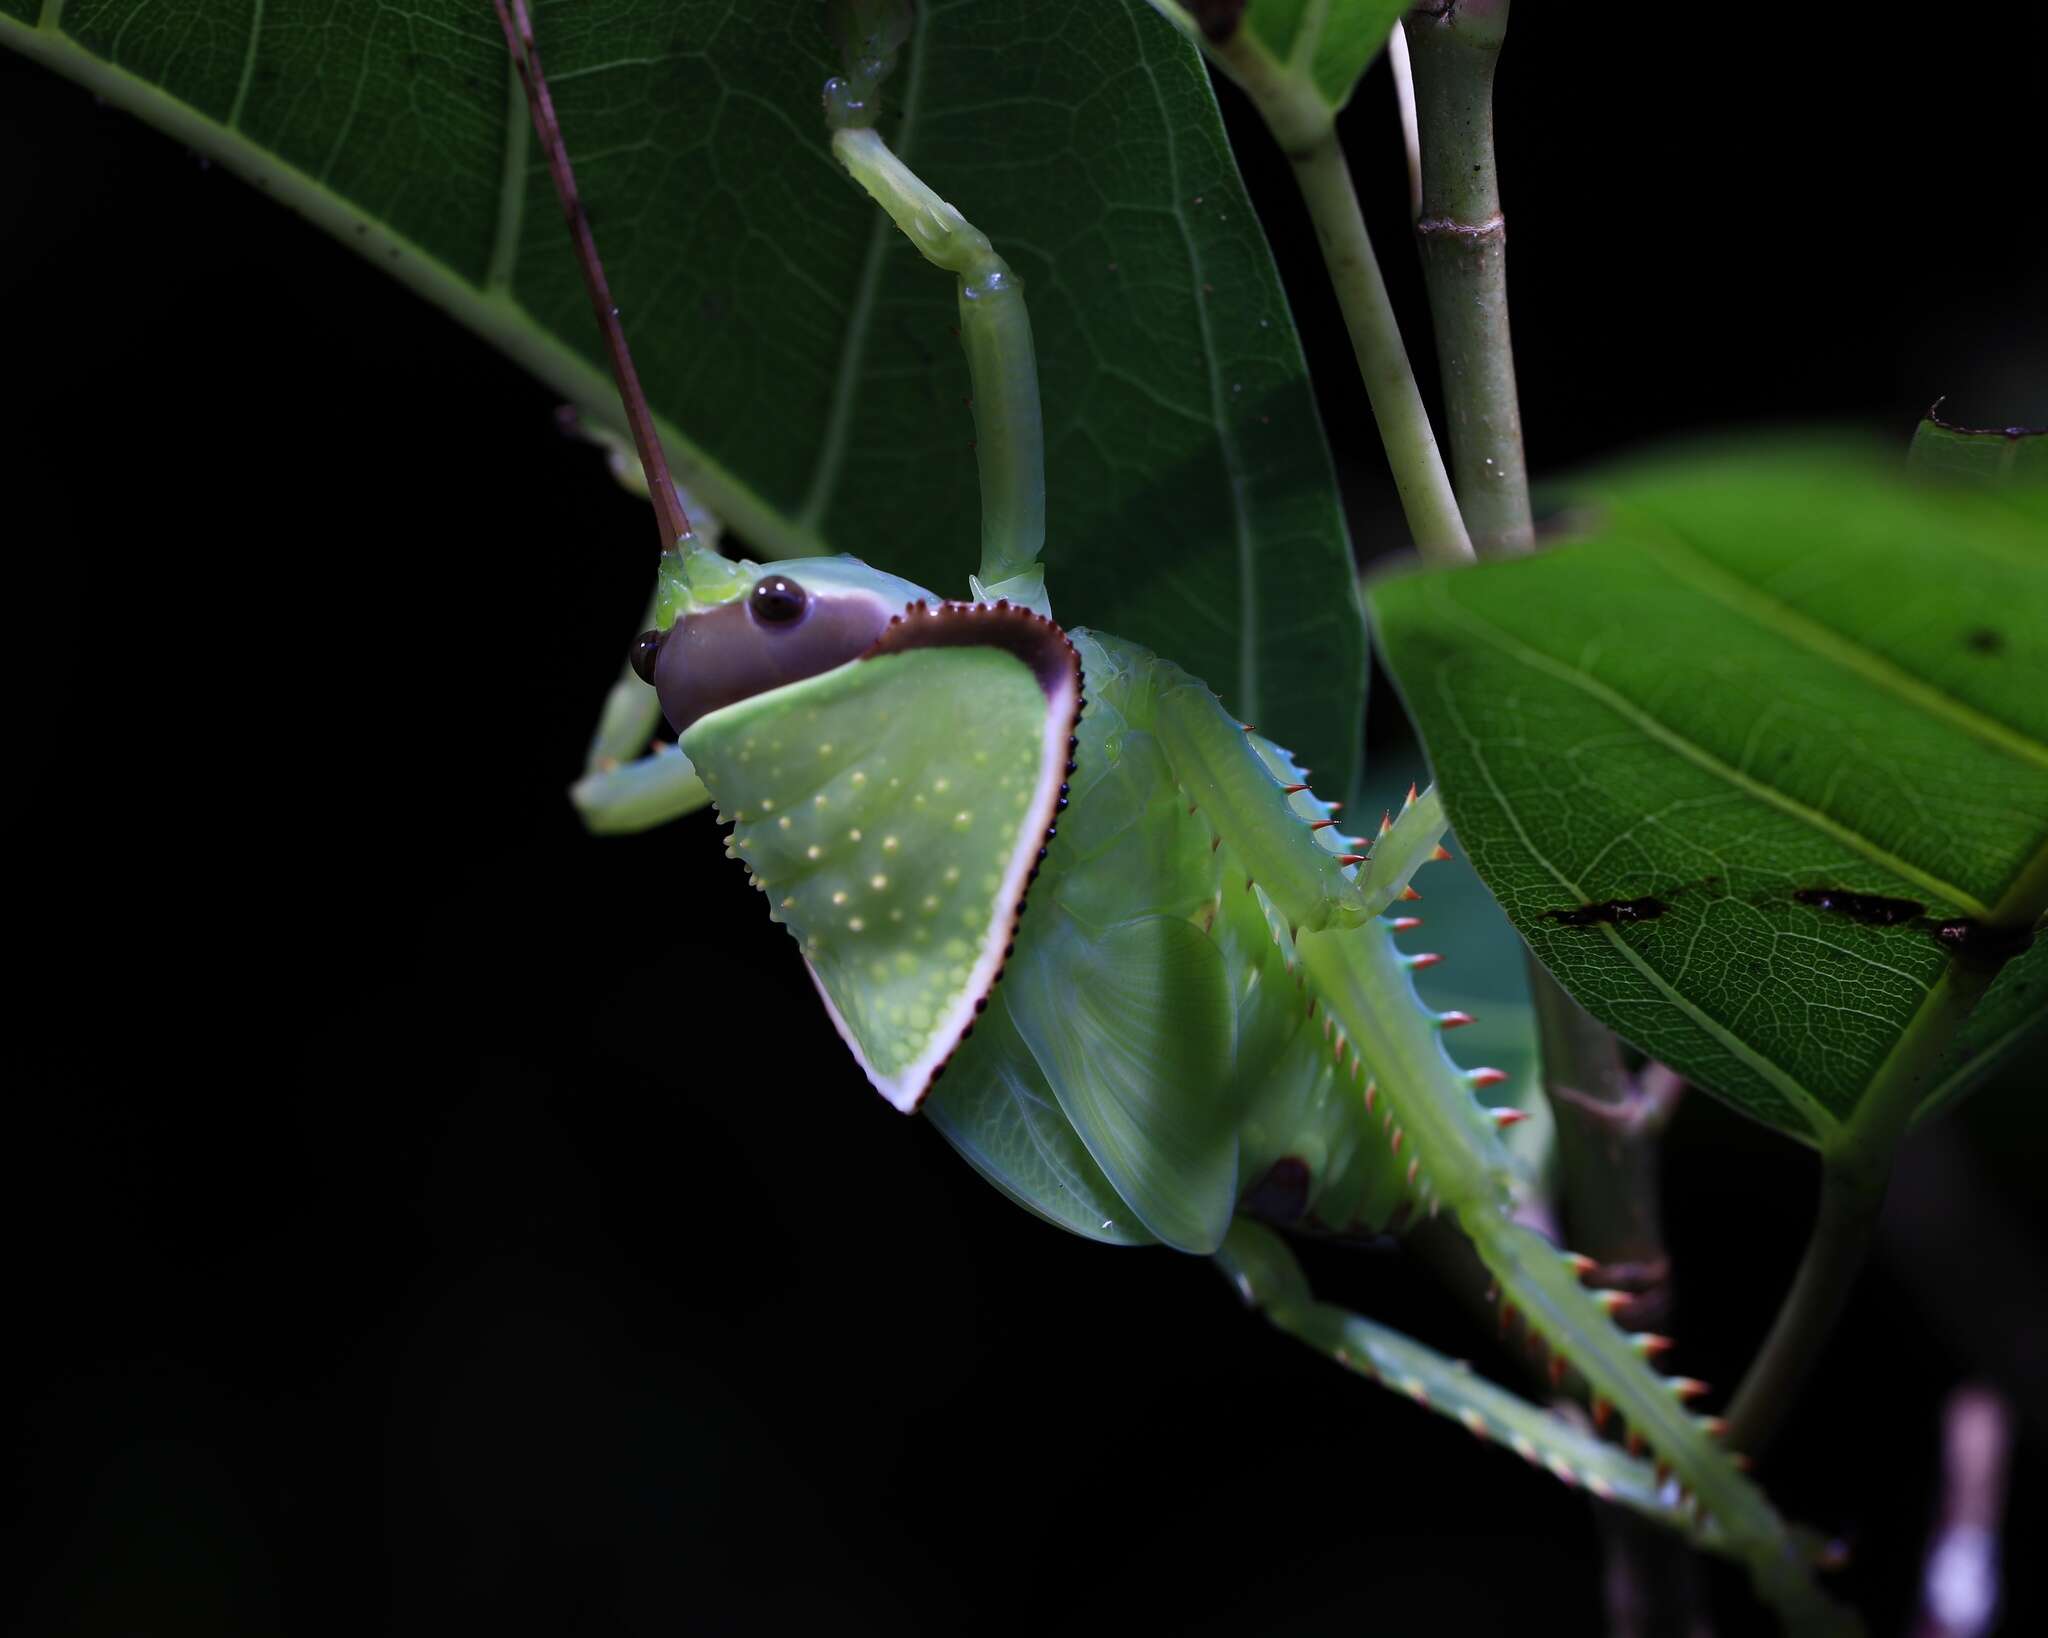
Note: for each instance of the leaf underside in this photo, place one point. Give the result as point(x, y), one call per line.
point(798, 353)
point(1730, 760)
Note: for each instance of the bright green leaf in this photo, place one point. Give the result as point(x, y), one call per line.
point(1758, 684)
point(1336, 41)
point(797, 352)
point(1987, 455)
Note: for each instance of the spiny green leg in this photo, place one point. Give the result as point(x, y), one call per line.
point(1423, 1105)
point(625, 787)
point(1420, 1105)
point(1266, 1275)
point(995, 331)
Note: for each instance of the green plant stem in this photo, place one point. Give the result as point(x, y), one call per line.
point(1608, 1129)
point(1609, 1132)
point(1425, 488)
point(1306, 130)
point(1463, 236)
point(1856, 1167)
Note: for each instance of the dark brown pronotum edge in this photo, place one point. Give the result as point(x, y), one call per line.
point(669, 516)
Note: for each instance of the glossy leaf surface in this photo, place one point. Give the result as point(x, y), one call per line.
point(1732, 760)
point(798, 354)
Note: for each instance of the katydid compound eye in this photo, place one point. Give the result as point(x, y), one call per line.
point(647, 650)
point(778, 601)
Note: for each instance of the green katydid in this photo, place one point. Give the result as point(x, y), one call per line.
point(1053, 894)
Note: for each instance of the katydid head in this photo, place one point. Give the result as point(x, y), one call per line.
point(737, 630)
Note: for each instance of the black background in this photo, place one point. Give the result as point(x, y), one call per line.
point(428, 1217)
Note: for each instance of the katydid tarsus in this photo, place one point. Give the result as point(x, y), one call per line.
point(1054, 895)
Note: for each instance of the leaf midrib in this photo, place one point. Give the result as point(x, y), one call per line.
point(1652, 727)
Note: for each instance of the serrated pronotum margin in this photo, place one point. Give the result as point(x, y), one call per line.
point(895, 810)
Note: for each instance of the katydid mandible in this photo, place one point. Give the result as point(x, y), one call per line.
point(1056, 897)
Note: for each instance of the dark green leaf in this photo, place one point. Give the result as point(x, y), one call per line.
point(1692, 751)
point(797, 351)
point(2014, 1014)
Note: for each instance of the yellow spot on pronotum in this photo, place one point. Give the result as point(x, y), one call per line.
point(895, 915)
point(952, 874)
point(814, 852)
point(854, 924)
point(859, 778)
point(931, 902)
point(941, 786)
point(818, 801)
point(825, 749)
point(888, 844)
point(782, 823)
point(789, 904)
point(962, 819)
point(878, 883)
point(839, 897)
point(767, 804)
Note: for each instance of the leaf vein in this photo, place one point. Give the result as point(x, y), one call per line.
point(1652, 728)
point(1760, 608)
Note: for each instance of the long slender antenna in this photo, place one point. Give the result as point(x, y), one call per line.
point(669, 516)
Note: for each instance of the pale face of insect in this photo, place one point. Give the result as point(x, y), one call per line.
point(744, 631)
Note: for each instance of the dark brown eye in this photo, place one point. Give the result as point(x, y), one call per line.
point(646, 650)
point(778, 601)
